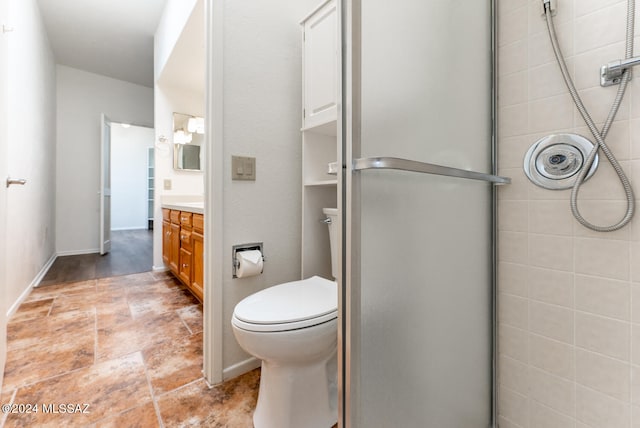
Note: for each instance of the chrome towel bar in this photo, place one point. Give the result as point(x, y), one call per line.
point(425, 168)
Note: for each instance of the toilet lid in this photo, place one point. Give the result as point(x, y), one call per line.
point(289, 306)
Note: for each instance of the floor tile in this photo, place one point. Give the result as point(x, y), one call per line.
point(130, 346)
point(108, 388)
point(40, 349)
point(193, 318)
point(126, 281)
point(48, 291)
point(29, 333)
point(171, 365)
point(159, 302)
point(130, 335)
point(33, 309)
point(228, 405)
point(144, 416)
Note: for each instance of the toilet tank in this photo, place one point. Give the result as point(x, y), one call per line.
point(332, 214)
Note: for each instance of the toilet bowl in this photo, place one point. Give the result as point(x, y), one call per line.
point(292, 328)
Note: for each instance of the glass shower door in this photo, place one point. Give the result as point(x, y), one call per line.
point(418, 300)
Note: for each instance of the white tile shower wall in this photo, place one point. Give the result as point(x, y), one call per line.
point(569, 298)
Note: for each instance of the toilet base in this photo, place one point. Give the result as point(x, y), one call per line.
point(297, 395)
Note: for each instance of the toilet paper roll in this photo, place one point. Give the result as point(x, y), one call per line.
point(249, 263)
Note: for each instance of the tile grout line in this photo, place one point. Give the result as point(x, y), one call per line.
point(156, 406)
point(95, 335)
point(5, 416)
point(184, 322)
point(188, 384)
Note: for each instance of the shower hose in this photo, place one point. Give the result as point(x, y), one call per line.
point(598, 135)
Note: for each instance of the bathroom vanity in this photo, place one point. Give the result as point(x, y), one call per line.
point(183, 244)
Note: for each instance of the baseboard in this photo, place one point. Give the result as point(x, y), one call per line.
point(36, 281)
point(78, 252)
point(117, 229)
point(159, 268)
point(241, 368)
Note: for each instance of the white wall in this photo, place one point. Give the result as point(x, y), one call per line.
point(82, 97)
point(129, 169)
point(27, 150)
point(262, 118)
point(31, 151)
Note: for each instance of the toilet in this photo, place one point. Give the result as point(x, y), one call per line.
point(292, 328)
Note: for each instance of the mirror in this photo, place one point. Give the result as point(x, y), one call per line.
point(188, 140)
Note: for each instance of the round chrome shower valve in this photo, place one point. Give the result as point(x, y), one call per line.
point(553, 161)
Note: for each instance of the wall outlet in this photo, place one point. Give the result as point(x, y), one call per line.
point(167, 184)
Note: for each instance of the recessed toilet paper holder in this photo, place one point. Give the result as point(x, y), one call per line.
point(244, 247)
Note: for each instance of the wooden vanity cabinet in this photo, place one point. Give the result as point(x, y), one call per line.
point(183, 247)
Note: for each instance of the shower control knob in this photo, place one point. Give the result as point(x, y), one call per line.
point(554, 161)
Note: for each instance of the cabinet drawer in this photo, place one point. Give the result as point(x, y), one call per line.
point(185, 218)
point(166, 214)
point(175, 217)
point(198, 223)
point(185, 239)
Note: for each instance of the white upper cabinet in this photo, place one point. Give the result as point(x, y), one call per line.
point(320, 65)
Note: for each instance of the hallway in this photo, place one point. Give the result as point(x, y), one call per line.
point(131, 252)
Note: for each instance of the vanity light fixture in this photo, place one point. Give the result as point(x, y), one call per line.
point(181, 137)
point(196, 124)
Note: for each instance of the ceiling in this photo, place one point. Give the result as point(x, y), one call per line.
point(109, 37)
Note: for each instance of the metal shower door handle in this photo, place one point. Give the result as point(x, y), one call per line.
point(20, 181)
point(425, 168)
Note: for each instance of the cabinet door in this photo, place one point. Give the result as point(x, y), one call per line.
point(174, 248)
point(197, 272)
point(321, 66)
point(185, 267)
point(166, 242)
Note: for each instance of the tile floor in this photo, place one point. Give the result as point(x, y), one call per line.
point(130, 347)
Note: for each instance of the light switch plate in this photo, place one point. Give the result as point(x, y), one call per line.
point(167, 184)
point(243, 168)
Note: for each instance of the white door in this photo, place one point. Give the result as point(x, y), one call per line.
point(3, 189)
point(105, 185)
point(418, 305)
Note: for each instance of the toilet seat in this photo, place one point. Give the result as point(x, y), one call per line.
point(289, 306)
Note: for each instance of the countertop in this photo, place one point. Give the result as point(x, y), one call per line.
point(192, 207)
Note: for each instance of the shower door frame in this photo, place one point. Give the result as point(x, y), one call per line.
point(348, 196)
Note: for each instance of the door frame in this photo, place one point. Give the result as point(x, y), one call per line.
point(3, 189)
point(348, 194)
point(105, 179)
